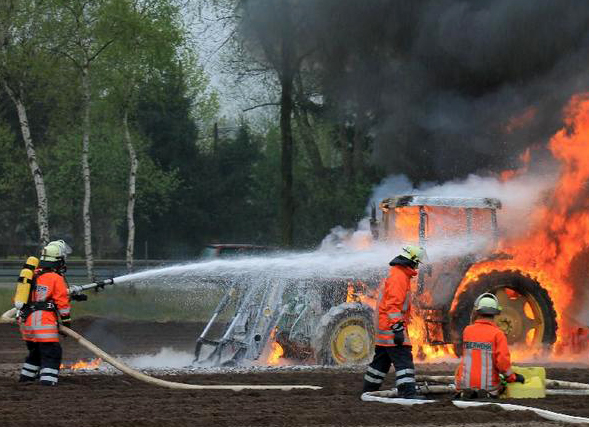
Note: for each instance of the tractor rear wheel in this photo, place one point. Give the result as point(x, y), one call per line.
point(528, 317)
point(345, 335)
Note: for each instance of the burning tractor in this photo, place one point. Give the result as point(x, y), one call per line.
point(331, 321)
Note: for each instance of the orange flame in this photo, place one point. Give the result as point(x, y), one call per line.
point(82, 364)
point(423, 351)
point(560, 227)
point(520, 121)
point(558, 236)
point(359, 292)
point(276, 350)
point(525, 159)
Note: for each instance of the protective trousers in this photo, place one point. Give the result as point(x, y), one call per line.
point(42, 363)
point(402, 360)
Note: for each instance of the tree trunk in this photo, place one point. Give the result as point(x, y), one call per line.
point(287, 154)
point(286, 103)
point(310, 144)
point(301, 114)
point(358, 151)
point(86, 172)
point(42, 203)
point(134, 164)
point(346, 152)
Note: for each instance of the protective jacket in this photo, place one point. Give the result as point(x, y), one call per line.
point(48, 300)
point(485, 355)
point(394, 304)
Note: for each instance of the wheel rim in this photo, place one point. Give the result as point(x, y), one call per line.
point(351, 342)
point(521, 318)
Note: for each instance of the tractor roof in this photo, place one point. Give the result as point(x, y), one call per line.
point(451, 202)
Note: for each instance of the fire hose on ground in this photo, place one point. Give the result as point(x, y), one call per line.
point(9, 317)
point(574, 388)
point(549, 415)
point(550, 384)
point(388, 396)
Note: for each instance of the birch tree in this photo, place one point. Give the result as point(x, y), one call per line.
point(148, 43)
point(19, 56)
point(83, 31)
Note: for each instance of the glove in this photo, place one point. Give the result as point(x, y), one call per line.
point(516, 378)
point(399, 330)
point(79, 297)
point(67, 323)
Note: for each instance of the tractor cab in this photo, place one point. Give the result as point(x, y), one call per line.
point(459, 233)
point(456, 231)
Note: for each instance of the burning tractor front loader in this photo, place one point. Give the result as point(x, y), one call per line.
point(245, 336)
point(301, 316)
point(330, 321)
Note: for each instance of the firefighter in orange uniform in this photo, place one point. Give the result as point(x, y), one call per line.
point(392, 344)
point(485, 354)
point(38, 320)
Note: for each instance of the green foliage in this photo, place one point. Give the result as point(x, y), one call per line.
point(192, 188)
point(17, 195)
point(228, 189)
point(333, 202)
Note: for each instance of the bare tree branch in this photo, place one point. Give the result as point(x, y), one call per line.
point(266, 104)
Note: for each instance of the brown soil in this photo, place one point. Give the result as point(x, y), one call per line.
point(107, 400)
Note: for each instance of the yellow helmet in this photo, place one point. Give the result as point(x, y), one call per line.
point(55, 251)
point(416, 254)
point(487, 303)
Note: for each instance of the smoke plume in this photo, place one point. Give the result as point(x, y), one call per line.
point(444, 88)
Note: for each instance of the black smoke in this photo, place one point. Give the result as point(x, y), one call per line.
point(443, 87)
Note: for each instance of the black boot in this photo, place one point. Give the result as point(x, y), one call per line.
point(408, 391)
point(370, 386)
point(29, 373)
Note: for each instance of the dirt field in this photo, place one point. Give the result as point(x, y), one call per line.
point(83, 399)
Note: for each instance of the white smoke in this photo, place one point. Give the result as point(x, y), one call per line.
point(519, 196)
point(165, 358)
point(353, 253)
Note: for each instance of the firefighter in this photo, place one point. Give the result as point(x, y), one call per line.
point(392, 345)
point(38, 320)
point(485, 354)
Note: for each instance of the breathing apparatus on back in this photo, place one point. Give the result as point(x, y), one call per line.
point(52, 258)
point(23, 284)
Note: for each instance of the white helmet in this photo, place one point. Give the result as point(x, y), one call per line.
point(487, 303)
point(55, 251)
point(416, 254)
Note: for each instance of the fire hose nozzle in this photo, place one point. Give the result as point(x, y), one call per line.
point(75, 290)
point(103, 283)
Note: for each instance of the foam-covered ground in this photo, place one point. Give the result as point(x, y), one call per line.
point(106, 398)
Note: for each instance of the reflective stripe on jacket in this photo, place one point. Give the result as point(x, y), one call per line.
point(41, 325)
point(485, 355)
point(394, 304)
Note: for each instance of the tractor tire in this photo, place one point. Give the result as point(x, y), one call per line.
point(528, 317)
point(345, 335)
